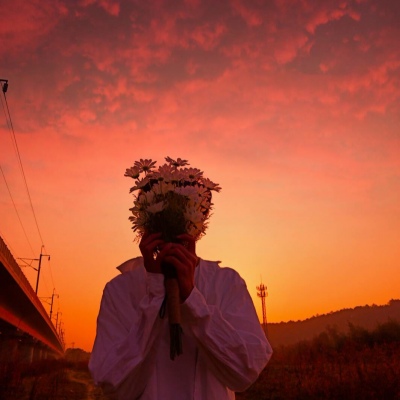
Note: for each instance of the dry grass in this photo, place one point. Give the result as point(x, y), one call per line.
point(359, 366)
point(51, 380)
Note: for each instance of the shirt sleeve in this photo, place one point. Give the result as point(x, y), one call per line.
point(126, 332)
point(229, 333)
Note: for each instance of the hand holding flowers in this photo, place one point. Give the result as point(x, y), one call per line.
point(181, 255)
point(149, 247)
point(184, 260)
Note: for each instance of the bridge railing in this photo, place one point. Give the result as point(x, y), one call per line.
point(16, 268)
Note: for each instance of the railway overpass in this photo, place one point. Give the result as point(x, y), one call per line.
point(26, 331)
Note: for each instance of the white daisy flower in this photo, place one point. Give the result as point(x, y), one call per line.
point(149, 196)
point(164, 173)
point(176, 163)
point(188, 191)
point(145, 165)
point(163, 187)
point(133, 172)
point(140, 184)
point(211, 185)
point(194, 216)
point(192, 174)
point(202, 190)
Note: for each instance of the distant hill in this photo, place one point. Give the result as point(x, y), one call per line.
point(368, 317)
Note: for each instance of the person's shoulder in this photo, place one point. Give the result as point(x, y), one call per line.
point(219, 283)
point(214, 271)
point(131, 270)
point(127, 288)
point(131, 265)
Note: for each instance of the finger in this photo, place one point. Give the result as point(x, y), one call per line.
point(148, 238)
point(181, 248)
point(150, 242)
point(180, 257)
point(184, 268)
point(164, 249)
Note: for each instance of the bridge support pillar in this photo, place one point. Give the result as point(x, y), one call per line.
point(9, 349)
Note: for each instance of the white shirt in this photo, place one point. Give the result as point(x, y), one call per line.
point(224, 347)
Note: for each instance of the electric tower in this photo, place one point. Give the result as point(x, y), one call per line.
point(262, 293)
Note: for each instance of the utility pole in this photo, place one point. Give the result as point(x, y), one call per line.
point(40, 263)
point(52, 300)
point(58, 313)
point(61, 334)
point(5, 85)
point(36, 269)
point(262, 293)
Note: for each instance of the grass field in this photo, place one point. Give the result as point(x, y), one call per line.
point(48, 380)
point(361, 365)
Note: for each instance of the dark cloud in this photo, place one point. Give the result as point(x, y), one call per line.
point(108, 61)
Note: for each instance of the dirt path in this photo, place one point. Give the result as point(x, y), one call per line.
point(84, 378)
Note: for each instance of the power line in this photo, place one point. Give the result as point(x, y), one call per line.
point(7, 119)
point(51, 272)
point(7, 244)
point(4, 89)
point(4, 86)
point(16, 210)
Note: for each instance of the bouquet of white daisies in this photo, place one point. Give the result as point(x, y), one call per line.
point(171, 199)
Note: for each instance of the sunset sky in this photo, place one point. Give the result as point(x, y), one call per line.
point(293, 107)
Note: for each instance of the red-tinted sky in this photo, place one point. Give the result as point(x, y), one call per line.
point(292, 107)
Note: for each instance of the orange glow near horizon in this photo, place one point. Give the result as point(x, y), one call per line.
point(293, 111)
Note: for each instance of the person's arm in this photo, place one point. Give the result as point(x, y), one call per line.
point(124, 348)
point(229, 333)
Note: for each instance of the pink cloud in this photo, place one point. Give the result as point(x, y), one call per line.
point(251, 16)
point(112, 7)
point(288, 47)
point(208, 37)
point(24, 24)
point(328, 12)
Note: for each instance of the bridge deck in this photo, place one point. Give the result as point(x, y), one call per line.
point(19, 304)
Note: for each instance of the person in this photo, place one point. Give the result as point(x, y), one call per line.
point(224, 346)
